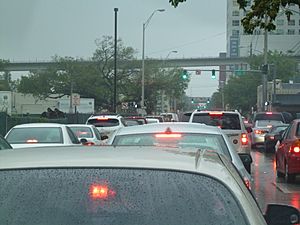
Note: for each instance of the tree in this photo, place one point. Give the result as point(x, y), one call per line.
point(255, 17)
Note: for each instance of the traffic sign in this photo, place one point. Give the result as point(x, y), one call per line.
point(75, 99)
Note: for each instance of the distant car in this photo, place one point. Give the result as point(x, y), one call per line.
point(230, 122)
point(272, 137)
point(260, 129)
point(278, 116)
point(124, 185)
point(89, 133)
point(287, 154)
point(170, 117)
point(182, 135)
point(106, 123)
point(4, 144)
point(160, 118)
point(137, 120)
point(40, 134)
point(152, 120)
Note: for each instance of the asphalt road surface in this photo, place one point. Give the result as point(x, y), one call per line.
point(267, 187)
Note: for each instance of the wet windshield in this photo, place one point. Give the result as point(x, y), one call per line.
point(114, 196)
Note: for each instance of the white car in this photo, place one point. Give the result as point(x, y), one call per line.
point(124, 185)
point(40, 134)
point(232, 125)
point(106, 123)
point(183, 135)
point(88, 134)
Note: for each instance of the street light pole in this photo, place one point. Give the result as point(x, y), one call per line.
point(143, 55)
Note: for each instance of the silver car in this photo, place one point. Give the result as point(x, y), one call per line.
point(40, 134)
point(124, 185)
point(89, 133)
point(184, 136)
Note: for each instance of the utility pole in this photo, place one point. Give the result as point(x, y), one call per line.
point(115, 64)
point(265, 76)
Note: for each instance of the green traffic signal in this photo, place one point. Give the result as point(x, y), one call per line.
point(184, 75)
point(213, 74)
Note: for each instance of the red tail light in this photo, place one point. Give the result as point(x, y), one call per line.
point(269, 113)
point(294, 149)
point(98, 191)
point(103, 118)
point(168, 135)
point(89, 143)
point(244, 139)
point(247, 183)
point(32, 141)
point(260, 131)
point(216, 113)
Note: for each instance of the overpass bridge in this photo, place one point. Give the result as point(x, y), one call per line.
point(182, 62)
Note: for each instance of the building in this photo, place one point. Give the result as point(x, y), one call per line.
point(284, 97)
point(286, 37)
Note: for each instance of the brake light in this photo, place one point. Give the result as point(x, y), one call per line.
point(244, 139)
point(260, 131)
point(247, 183)
point(269, 113)
point(215, 113)
point(168, 135)
point(32, 141)
point(269, 126)
point(294, 149)
point(98, 191)
point(102, 118)
point(89, 143)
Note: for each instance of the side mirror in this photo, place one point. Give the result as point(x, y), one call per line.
point(249, 129)
point(246, 160)
point(281, 215)
point(83, 141)
point(104, 137)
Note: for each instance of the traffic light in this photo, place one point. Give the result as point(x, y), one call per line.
point(213, 74)
point(184, 75)
point(264, 68)
point(192, 100)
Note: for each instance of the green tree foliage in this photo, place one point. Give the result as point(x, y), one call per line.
point(241, 91)
point(96, 79)
point(255, 17)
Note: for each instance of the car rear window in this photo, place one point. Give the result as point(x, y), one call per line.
point(82, 132)
point(214, 142)
point(267, 123)
point(226, 121)
point(115, 196)
point(104, 122)
point(35, 135)
point(269, 116)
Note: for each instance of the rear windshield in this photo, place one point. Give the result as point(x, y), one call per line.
point(114, 197)
point(35, 135)
point(267, 123)
point(104, 122)
point(273, 116)
point(183, 140)
point(226, 121)
point(82, 132)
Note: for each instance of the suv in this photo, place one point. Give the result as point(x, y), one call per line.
point(230, 122)
point(106, 123)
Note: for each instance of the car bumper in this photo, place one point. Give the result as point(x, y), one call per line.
point(294, 165)
point(258, 139)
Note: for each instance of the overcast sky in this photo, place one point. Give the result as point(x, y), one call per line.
point(39, 29)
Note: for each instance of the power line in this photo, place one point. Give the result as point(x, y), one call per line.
point(186, 44)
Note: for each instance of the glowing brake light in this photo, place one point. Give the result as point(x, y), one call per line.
point(98, 191)
point(269, 113)
point(244, 139)
point(168, 135)
point(215, 113)
point(32, 141)
point(102, 118)
point(260, 131)
point(295, 149)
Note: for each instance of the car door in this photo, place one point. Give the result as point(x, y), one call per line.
point(282, 148)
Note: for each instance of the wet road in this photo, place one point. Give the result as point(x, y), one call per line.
point(267, 187)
